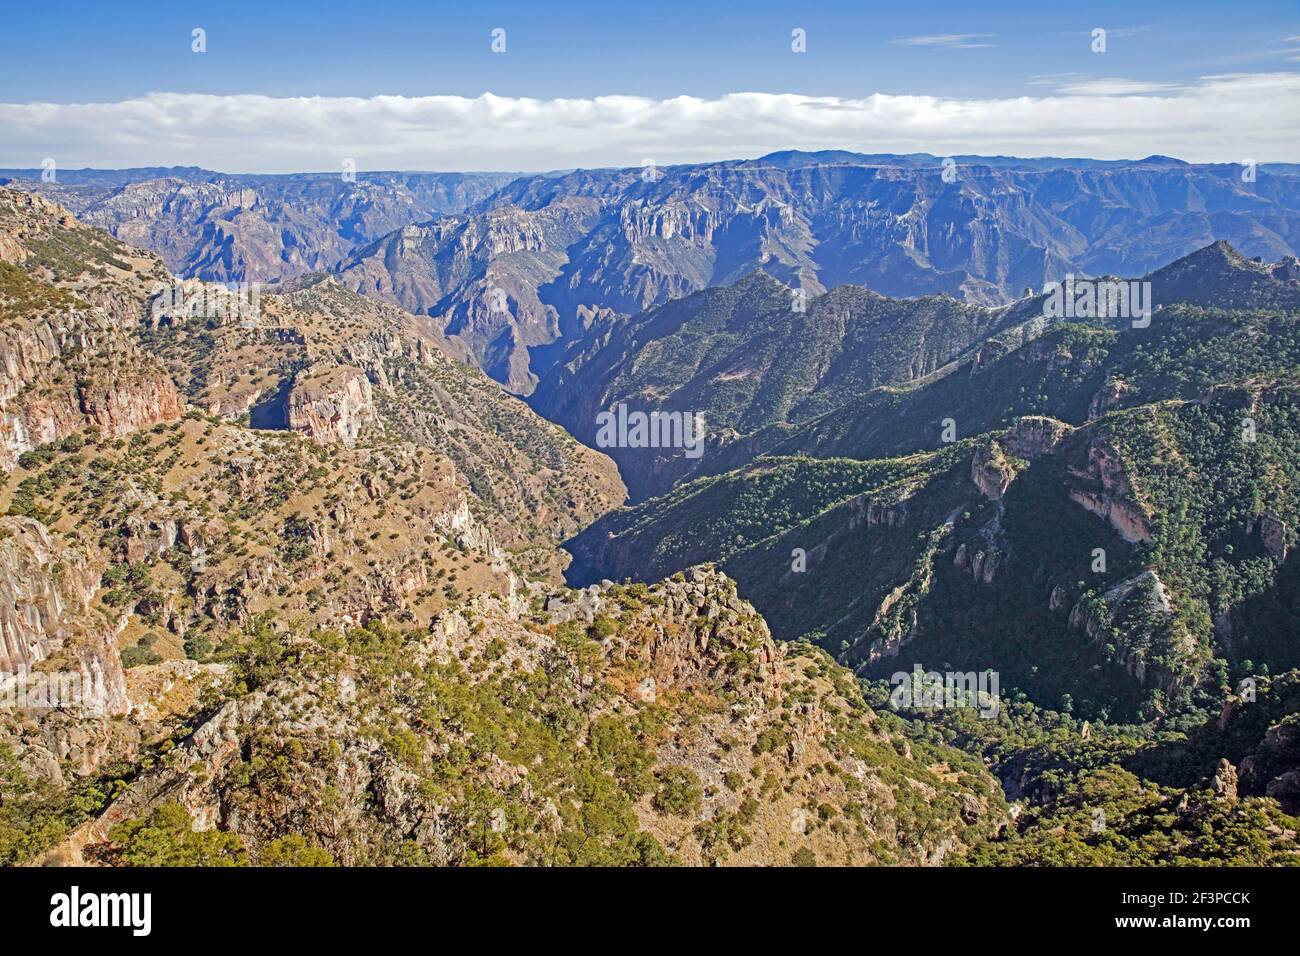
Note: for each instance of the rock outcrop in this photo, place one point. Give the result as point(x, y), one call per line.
point(1136, 618)
point(991, 471)
point(1103, 486)
point(1272, 534)
point(331, 404)
point(52, 649)
point(994, 466)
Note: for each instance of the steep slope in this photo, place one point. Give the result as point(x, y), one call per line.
point(755, 355)
point(90, 319)
point(668, 728)
point(323, 361)
point(1169, 453)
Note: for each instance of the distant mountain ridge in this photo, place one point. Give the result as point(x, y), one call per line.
point(252, 227)
point(544, 259)
point(518, 267)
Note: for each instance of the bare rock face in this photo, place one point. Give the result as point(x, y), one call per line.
point(1285, 789)
point(68, 360)
point(72, 370)
point(994, 466)
point(1272, 534)
point(1057, 599)
point(331, 403)
point(484, 272)
point(1109, 396)
point(876, 514)
point(259, 228)
point(1224, 783)
point(688, 638)
point(1104, 487)
point(981, 565)
point(688, 641)
point(141, 398)
point(1034, 435)
point(45, 594)
point(991, 471)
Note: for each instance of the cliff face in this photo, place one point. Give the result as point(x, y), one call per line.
point(68, 360)
point(115, 394)
point(994, 465)
point(216, 525)
point(991, 472)
point(1103, 486)
point(480, 277)
point(331, 404)
point(45, 594)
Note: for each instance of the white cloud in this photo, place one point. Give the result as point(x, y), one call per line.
point(1216, 119)
point(1052, 79)
point(1114, 86)
point(948, 41)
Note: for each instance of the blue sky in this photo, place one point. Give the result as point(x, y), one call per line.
point(659, 48)
point(284, 86)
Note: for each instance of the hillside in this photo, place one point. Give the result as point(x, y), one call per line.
point(1170, 448)
point(747, 361)
point(668, 729)
point(344, 369)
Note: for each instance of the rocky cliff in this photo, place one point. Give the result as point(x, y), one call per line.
point(1104, 486)
point(53, 649)
point(331, 404)
point(68, 360)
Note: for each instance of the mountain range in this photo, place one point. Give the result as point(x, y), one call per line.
point(517, 268)
point(248, 228)
point(337, 568)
